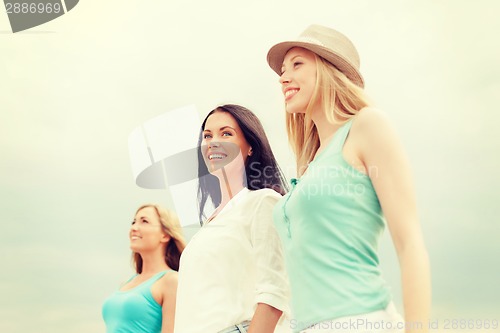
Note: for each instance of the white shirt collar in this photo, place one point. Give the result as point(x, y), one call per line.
point(231, 203)
point(235, 199)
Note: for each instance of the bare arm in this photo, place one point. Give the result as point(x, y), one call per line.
point(169, 291)
point(382, 154)
point(264, 319)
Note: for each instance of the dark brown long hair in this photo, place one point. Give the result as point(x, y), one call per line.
point(261, 168)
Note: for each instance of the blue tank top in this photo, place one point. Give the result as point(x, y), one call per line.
point(133, 310)
point(330, 224)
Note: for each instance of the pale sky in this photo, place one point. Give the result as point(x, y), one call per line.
point(74, 89)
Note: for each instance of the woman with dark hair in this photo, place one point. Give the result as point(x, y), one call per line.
point(146, 302)
point(232, 276)
point(261, 168)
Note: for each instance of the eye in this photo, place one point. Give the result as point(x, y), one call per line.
point(207, 136)
point(144, 221)
point(226, 133)
point(133, 222)
point(297, 64)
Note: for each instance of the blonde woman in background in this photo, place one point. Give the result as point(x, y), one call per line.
point(146, 302)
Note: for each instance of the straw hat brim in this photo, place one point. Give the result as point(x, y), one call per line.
point(277, 53)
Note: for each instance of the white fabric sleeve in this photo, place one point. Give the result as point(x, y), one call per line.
point(272, 286)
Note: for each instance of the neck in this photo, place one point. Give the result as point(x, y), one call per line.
point(325, 129)
point(153, 262)
point(229, 187)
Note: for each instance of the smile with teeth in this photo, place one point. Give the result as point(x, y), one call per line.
point(216, 156)
point(290, 92)
point(134, 237)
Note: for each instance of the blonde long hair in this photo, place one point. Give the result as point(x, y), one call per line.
point(340, 100)
point(171, 226)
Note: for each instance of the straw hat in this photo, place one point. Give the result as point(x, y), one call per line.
point(328, 44)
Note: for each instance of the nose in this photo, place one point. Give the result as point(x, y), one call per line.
point(134, 227)
point(284, 79)
point(213, 144)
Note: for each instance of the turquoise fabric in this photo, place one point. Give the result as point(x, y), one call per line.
point(134, 310)
point(330, 224)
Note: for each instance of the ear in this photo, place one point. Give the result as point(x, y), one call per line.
point(165, 238)
point(250, 152)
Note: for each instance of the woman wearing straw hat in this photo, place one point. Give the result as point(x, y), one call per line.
point(146, 302)
point(353, 178)
point(232, 275)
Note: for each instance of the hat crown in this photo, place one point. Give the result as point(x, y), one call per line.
point(325, 42)
point(332, 40)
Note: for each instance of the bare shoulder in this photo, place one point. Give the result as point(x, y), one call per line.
point(170, 278)
point(373, 126)
point(371, 120)
point(167, 282)
point(372, 132)
point(165, 288)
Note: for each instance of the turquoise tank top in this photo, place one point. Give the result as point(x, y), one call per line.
point(330, 224)
point(133, 310)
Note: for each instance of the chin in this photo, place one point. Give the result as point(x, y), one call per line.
point(294, 110)
point(290, 108)
point(216, 170)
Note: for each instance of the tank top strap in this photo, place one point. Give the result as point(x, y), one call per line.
point(149, 282)
point(340, 137)
point(130, 279)
point(158, 276)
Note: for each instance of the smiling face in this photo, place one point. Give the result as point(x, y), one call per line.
point(298, 79)
point(146, 232)
point(223, 142)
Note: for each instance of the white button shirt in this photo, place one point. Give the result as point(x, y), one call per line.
point(234, 262)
